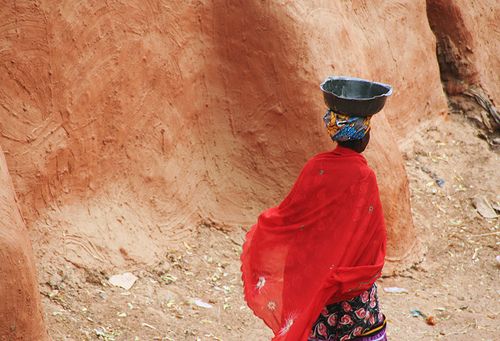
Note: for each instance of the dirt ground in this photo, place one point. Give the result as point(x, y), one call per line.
point(456, 282)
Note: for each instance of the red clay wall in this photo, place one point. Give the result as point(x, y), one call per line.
point(20, 309)
point(471, 32)
point(127, 122)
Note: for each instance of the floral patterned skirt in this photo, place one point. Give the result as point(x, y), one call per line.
point(350, 319)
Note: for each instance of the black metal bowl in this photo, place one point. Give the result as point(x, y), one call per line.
point(354, 96)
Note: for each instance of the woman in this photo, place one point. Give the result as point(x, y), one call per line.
point(309, 265)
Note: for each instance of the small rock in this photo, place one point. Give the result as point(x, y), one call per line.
point(101, 331)
point(166, 295)
point(430, 320)
point(55, 281)
point(440, 182)
point(162, 268)
point(165, 267)
point(53, 293)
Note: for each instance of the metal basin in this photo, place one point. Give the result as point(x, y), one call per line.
point(354, 96)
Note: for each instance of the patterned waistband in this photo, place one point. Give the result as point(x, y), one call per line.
point(376, 334)
point(376, 329)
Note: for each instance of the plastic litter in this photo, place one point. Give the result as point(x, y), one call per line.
point(416, 313)
point(125, 280)
point(202, 304)
point(484, 208)
point(144, 324)
point(395, 290)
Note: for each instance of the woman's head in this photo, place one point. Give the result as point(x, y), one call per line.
point(349, 131)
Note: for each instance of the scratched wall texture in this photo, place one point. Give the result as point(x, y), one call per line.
point(125, 123)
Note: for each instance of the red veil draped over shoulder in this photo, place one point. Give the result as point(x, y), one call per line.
point(323, 244)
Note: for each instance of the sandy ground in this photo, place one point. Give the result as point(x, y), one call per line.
point(456, 282)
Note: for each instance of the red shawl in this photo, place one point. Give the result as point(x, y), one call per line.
point(323, 244)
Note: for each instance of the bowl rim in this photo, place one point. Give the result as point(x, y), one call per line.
point(349, 78)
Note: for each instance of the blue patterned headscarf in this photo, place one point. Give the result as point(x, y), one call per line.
point(344, 128)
